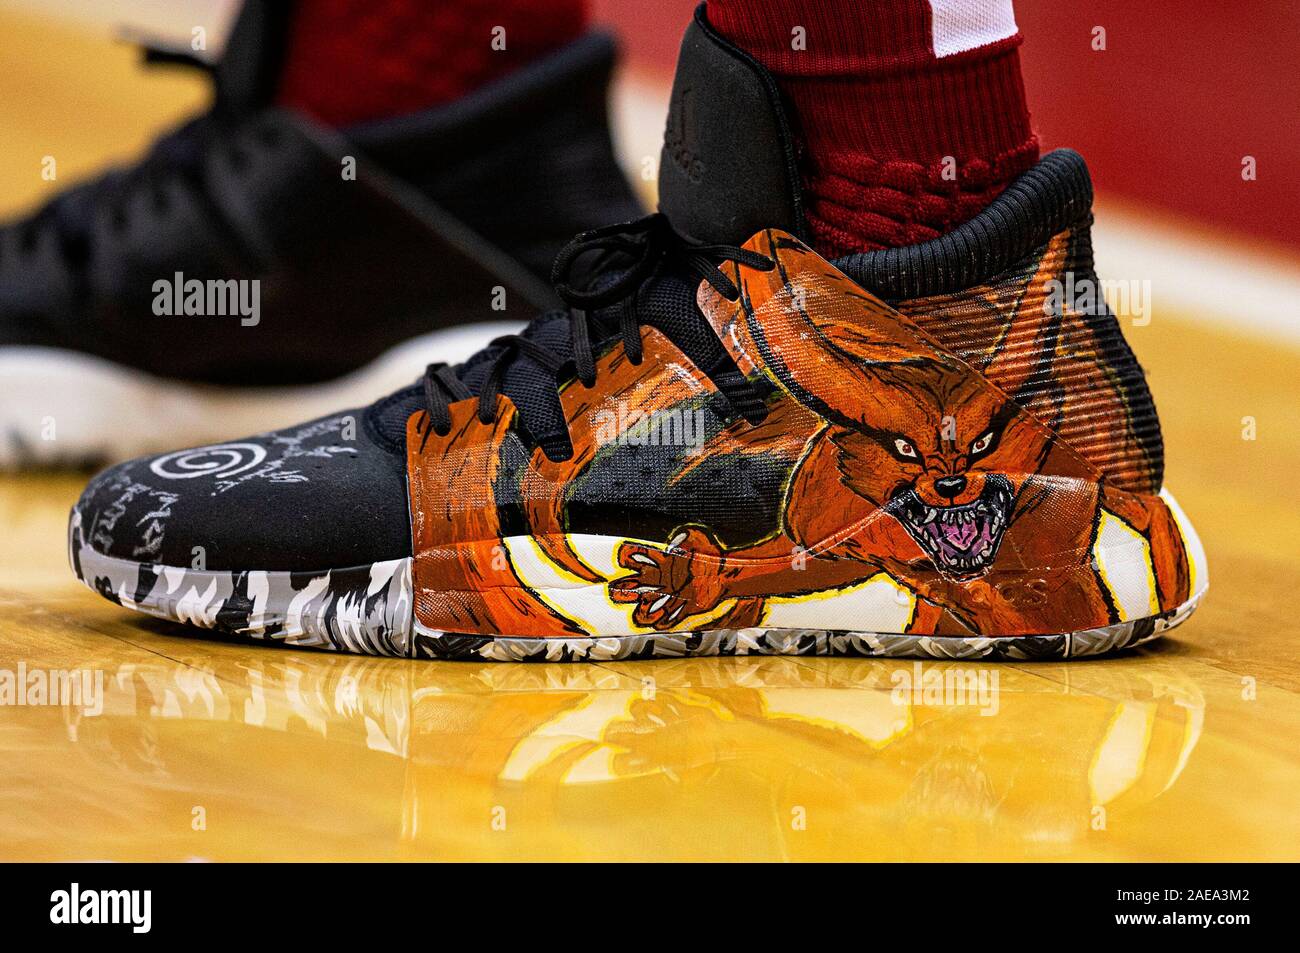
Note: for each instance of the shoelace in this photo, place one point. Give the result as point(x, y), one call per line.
point(647, 244)
point(175, 154)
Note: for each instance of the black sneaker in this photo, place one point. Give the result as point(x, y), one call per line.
point(255, 265)
point(726, 444)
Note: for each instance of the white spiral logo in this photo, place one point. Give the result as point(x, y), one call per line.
point(222, 460)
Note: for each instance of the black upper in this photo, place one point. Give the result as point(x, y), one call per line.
point(445, 208)
point(319, 495)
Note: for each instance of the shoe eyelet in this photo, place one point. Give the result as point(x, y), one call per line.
point(559, 459)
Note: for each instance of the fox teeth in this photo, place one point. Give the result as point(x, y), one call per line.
point(930, 514)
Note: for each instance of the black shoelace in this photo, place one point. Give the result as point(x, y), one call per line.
point(626, 255)
point(178, 154)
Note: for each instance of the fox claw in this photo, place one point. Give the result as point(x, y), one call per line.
point(667, 584)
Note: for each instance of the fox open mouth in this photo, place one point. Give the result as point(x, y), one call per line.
point(961, 540)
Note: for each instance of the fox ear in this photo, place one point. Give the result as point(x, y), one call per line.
point(1027, 348)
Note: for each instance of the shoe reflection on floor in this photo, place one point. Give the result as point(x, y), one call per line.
point(250, 753)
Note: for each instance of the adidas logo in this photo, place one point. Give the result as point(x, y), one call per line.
point(678, 136)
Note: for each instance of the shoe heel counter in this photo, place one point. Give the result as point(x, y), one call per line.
point(1132, 449)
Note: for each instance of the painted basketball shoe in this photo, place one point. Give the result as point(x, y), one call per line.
point(256, 266)
point(726, 444)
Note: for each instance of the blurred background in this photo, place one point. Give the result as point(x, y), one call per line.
point(1165, 115)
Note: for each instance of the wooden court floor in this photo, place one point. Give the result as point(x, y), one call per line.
point(1187, 750)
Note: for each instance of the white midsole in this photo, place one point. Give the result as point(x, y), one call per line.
point(370, 609)
point(60, 407)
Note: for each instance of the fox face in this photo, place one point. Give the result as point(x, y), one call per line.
point(944, 456)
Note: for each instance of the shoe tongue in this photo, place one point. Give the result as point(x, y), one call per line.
point(727, 169)
point(667, 303)
point(249, 71)
point(526, 383)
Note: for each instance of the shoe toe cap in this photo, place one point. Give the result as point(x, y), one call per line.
point(322, 495)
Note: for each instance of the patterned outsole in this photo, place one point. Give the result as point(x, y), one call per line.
point(369, 610)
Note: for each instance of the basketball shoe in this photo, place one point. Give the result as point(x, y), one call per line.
point(725, 444)
point(256, 265)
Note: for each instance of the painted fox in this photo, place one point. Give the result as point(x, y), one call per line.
point(888, 456)
point(923, 470)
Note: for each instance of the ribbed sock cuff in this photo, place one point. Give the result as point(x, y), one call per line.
point(898, 145)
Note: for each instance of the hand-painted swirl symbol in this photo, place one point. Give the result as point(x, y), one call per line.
point(221, 460)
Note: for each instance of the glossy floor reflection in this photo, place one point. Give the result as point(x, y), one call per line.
point(225, 752)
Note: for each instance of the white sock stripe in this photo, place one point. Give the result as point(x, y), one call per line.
point(959, 25)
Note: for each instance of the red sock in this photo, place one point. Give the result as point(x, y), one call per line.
point(348, 61)
point(883, 92)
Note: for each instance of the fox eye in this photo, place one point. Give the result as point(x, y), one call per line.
point(982, 444)
point(904, 448)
